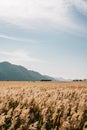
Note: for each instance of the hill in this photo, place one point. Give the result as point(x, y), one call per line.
point(13, 72)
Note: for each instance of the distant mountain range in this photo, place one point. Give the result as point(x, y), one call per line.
point(11, 72)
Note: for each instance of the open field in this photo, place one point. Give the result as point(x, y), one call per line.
point(43, 106)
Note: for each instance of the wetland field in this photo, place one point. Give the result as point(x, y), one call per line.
point(43, 105)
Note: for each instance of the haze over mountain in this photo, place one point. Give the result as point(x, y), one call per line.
point(13, 72)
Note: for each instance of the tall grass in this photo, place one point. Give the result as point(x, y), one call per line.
point(43, 106)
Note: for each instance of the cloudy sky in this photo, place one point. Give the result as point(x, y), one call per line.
point(49, 36)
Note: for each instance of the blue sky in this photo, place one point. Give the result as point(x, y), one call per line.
point(48, 36)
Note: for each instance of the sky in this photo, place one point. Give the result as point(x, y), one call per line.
point(48, 36)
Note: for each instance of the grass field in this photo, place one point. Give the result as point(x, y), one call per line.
point(43, 105)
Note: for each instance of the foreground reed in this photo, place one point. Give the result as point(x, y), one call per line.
point(43, 106)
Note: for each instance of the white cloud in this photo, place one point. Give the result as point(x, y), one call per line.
point(34, 14)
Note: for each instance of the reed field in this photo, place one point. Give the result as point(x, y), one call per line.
point(43, 105)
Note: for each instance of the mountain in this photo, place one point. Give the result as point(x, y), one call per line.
point(11, 72)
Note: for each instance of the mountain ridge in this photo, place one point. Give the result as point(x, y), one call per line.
point(12, 72)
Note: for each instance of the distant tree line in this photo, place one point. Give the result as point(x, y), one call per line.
point(79, 80)
point(45, 80)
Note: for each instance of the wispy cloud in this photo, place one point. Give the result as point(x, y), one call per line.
point(33, 13)
point(16, 39)
point(37, 14)
point(81, 5)
point(18, 57)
